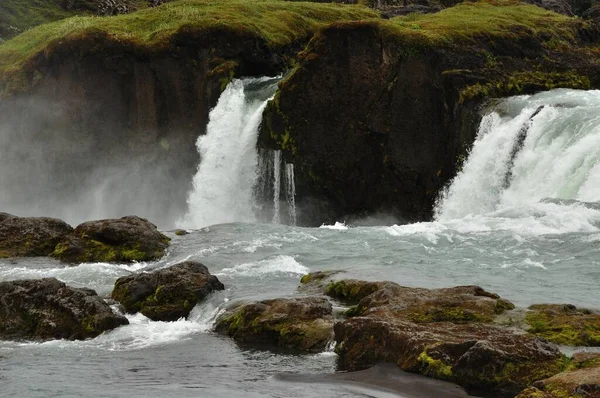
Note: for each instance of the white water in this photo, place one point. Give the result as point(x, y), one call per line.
point(290, 189)
point(223, 186)
point(559, 160)
point(276, 185)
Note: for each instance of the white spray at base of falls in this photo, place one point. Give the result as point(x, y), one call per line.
point(558, 160)
point(223, 186)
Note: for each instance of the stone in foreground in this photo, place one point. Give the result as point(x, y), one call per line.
point(46, 309)
point(442, 333)
point(299, 323)
point(564, 324)
point(126, 239)
point(167, 294)
point(30, 236)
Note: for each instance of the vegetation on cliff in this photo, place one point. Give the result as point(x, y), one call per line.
point(276, 23)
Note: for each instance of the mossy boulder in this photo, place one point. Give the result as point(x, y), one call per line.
point(456, 304)
point(564, 324)
point(445, 333)
point(46, 309)
point(30, 236)
point(577, 383)
point(126, 239)
point(304, 323)
point(167, 294)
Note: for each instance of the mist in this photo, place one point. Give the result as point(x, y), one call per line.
point(52, 163)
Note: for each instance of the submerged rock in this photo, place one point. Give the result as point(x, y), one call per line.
point(30, 236)
point(125, 239)
point(167, 294)
point(300, 323)
point(564, 324)
point(47, 309)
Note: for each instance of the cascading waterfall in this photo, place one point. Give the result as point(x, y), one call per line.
point(276, 188)
point(290, 190)
point(223, 185)
point(529, 149)
point(276, 185)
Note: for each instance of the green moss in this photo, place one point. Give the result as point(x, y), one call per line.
point(350, 291)
point(525, 82)
point(276, 23)
point(434, 367)
point(565, 325)
point(88, 326)
point(448, 314)
point(355, 310)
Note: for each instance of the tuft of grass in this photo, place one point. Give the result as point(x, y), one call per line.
point(277, 22)
point(487, 19)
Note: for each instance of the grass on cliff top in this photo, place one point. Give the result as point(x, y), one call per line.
point(278, 22)
point(486, 19)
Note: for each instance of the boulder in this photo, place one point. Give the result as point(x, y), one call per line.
point(582, 382)
point(383, 299)
point(125, 239)
point(167, 294)
point(303, 323)
point(30, 236)
point(442, 333)
point(564, 324)
point(47, 309)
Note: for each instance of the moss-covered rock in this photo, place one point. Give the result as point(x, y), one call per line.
point(578, 383)
point(126, 239)
point(458, 304)
point(299, 323)
point(47, 309)
point(30, 236)
point(167, 294)
point(564, 324)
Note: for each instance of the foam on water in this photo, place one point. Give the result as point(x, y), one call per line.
point(339, 226)
point(97, 276)
point(262, 268)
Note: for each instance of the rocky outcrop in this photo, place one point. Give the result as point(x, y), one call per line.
point(30, 236)
point(125, 239)
point(564, 324)
point(442, 333)
point(299, 323)
point(421, 83)
point(167, 294)
point(581, 380)
point(48, 309)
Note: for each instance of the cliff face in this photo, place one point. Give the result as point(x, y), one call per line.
point(99, 116)
point(119, 123)
point(376, 121)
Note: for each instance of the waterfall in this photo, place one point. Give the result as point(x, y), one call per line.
point(276, 189)
point(276, 185)
point(290, 192)
point(557, 157)
point(223, 185)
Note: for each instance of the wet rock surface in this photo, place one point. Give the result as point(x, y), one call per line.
point(126, 239)
point(564, 324)
point(167, 294)
point(299, 323)
point(47, 309)
point(30, 236)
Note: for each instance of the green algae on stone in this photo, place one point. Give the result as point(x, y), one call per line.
point(564, 324)
point(302, 323)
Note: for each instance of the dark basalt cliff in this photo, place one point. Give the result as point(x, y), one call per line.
point(378, 116)
point(104, 113)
